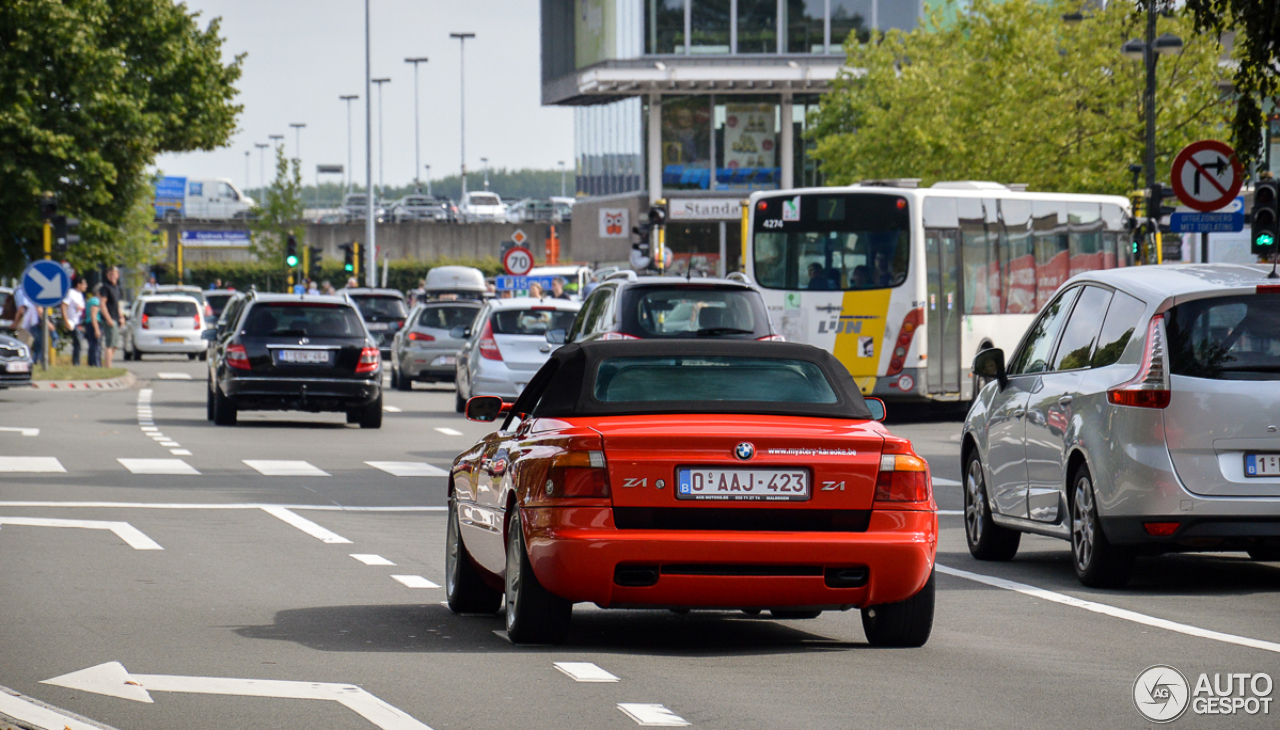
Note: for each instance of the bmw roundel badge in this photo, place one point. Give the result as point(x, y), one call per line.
point(744, 450)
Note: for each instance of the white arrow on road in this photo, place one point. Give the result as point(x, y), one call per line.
point(123, 530)
point(50, 287)
point(113, 680)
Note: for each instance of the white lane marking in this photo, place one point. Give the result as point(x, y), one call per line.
point(371, 559)
point(169, 444)
point(1106, 610)
point(408, 468)
point(158, 466)
point(449, 432)
point(306, 525)
point(23, 431)
point(123, 530)
point(585, 672)
point(174, 376)
point(180, 452)
point(158, 436)
point(273, 468)
point(242, 505)
point(144, 393)
point(39, 714)
point(113, 680)
point(150, 428)
point(415, 581)
point(950, 512)
point(391, 409)
point(31, 464)
point(652, 715)
point(940, 482)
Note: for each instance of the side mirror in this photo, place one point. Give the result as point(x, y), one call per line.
point(458, 333)
point(486, 408)
point(989, 364)
point(209, 335)
point(876, 406)
point(556, 337)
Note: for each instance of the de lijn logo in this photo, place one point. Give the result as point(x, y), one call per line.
point(744, 450)
point(1161, 693)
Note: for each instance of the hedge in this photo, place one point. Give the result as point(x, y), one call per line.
point(401, 275)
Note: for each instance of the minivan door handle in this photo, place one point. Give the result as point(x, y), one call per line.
point(1065, 400)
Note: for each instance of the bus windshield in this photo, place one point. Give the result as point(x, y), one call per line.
point(832, 242)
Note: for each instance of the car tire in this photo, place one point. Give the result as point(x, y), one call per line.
point(137, 355)
point(986, 539)
point(459, 403)
point(903, 624)
point(1097, 562)
point(128, 355)
point(371, 415)
point(225, 412)
point(209, 412)
point(400, 382)
point(191, 356)
point(1265, 554)
point(792, 614)
point(203, 355)
point(464, 589)
point(534, 614)
point(353, 416)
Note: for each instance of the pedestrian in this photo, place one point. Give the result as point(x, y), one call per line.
point(535, 290)
point(26, 325)
point(557, 288)
point(73, 314)
point(110, 325)
point(151, 284)
point(327, 288)
point(93, 327)
point(352, 283)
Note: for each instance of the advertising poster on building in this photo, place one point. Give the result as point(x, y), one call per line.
point(749, 134)
point(614, 222)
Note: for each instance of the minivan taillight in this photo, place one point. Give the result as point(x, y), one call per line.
point(421, 337)
point(1150, 387)
point(488, 345)
point(146, 322)
point(370, 358)
point(237, 357)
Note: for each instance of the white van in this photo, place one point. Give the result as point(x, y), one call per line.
point(213, 198)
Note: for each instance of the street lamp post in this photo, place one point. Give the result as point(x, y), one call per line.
point(262, 167)
point(349, 98)
point(417, 144)
point(297, 148)
point(247, 181)
point(370, 229)
point(428, 179)
point(381, 168)
point(462, 97)
point(562, 177)
point(485, 161)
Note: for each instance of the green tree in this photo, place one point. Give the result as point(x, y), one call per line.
point(281, 214)
point(90, 92)
point(1256, 24)
point(1009, 92)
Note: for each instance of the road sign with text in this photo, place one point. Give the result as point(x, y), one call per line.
point(518, 261)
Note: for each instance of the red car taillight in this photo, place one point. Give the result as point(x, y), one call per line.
point(199, 323)
point(617, 336)
point(902, 478)
point(771, 338)
point(237, 357)
point(370, 358)
point(1150, 387)
point(488, 345)
point(910, 324)
point(578, 474)
point(146, 322)
point(421, 337)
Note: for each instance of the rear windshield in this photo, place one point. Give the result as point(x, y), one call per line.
point(381, 308)
point(530, 321)
point(303, 320)
point(694, 312)
point(446, 317)
point(698, 378)
point(1226, 338)
point(485, 200)
point(218, 302)
point(169, 309)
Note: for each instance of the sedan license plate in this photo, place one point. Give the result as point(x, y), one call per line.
point(1262, 465)
point(18, 367)
point(171, 340)
point(376, 326)
point(445, 360)
point(304, 357)
point(747, 485)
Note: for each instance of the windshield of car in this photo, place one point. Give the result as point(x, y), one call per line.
point(218, 302)
point(196, 294)
point(418, 201)
point(485, 200)
point(1226, 338)
point(170, 309)
point(711, 378)
point(530, 321)
point(381, 308)
point(355, 200)
point(268, 319)
point(696, 312)
point(447, 317)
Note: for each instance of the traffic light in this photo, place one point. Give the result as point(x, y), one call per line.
point(658, 213)
point(63, 238)
point(314, 269)
point(48, 206)
point(1157, 195)
point(348, 258)
point(1138, 202)
point(291, 252)
point(1265, 215)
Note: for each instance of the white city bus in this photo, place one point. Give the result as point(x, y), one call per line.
point(905, 285)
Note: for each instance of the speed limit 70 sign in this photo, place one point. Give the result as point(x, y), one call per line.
point(517, 261)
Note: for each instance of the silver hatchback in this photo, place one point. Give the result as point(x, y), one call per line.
point(1139, 415)
point(426, 349)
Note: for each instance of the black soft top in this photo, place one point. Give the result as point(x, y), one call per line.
point(565, 385)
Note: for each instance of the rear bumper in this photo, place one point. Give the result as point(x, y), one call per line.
point(301, 394)
point(576, 554)
point(417, 364)
point(148, 342)
point(1203, 532)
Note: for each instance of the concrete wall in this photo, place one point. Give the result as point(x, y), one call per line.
point(588, 245)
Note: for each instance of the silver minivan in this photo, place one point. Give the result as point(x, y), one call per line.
point(426, 349)
point(1139, 415)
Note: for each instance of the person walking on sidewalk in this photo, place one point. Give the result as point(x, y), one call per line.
point(110, 325)
point(93, 327)
point(73, 314)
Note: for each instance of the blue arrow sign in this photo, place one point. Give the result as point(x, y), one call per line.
point(46, 283)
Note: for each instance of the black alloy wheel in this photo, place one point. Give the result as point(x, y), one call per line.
point(224, 409)
point(1098, 563)
point(534, 614)
point(465, 590)
point(399, 381)
point(986, 539)
point(208, 392)
point(903, 624)
point(371, 415)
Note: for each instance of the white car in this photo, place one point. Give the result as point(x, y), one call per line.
point(507, 344)
point(165, 324)
point(482, 206)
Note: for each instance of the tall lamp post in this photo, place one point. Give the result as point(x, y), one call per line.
point(417, 145)
point(381, 169)
point(297, 148)
point(247, 181)
point(562, 177)
point(485, 161)
point(262, 167)
point(462, 97)
point(428, 178)
point(349, 98)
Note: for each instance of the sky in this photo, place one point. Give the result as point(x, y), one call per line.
point(304, 54)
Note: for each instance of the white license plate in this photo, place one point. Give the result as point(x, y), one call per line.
point(445, 360)
point(18, 367)
point(308, 357)
point(376, 326)
point(1262, 465)
point(749, 485)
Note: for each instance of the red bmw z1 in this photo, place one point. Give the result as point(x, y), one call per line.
point(691, 475)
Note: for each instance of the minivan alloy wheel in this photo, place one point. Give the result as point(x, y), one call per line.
point(1083, 527)
point(1098, 563)
point(973, 501)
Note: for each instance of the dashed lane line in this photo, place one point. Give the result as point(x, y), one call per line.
point(651, 715)
point(1113, 611)
point(180, 452)
point(940, 482)
point(158, 466)
point(174, 376)
point(21, 431)
point(125, 531)
point(414, 581)
point(275, 468)
point(391, 409)
point(31, 465)
point(449, 432)
point(585, 672)
point(371, 559)
point(408, 468)
point(302, 523)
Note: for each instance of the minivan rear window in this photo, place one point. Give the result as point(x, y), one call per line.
point(447, 317)
point(169, 309)
point(381, 308)
point(1226, 338)
point(284, 319)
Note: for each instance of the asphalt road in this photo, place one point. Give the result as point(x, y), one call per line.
point(256, 584)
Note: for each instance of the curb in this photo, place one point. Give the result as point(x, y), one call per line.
point(65, 386)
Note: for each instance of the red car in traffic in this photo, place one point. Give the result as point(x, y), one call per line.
point(691, 475)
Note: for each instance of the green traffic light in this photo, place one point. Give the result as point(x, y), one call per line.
point(349, 267)
point(291, 260)
point(1265, 240)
